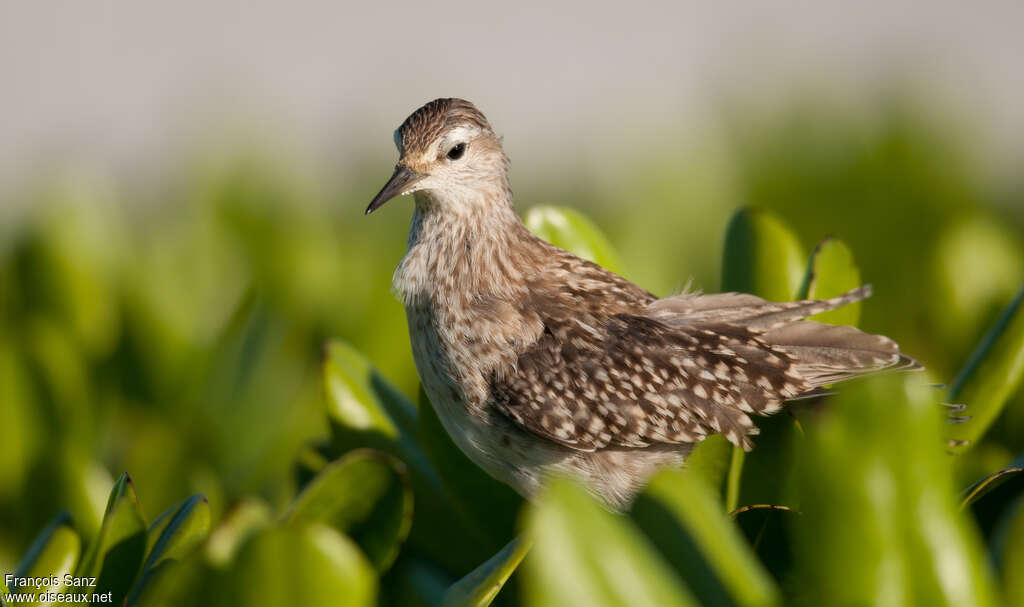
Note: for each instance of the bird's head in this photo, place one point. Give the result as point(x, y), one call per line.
point(449, 152)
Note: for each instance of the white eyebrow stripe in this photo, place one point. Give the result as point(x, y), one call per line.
point(461, 133)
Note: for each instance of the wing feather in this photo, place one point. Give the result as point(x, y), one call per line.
point(636, 381)
point(688, 367)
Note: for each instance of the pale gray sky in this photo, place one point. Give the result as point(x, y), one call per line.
point(126, 84)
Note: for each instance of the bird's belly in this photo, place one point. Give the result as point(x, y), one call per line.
point(458, 395)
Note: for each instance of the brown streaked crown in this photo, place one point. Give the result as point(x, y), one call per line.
point(426, 124)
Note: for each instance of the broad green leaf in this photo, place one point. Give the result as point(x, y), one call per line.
point(415, 581)
point(172, 536)
point(310, 461)
point(991, 497)
point(683, 517)
point(976, 262)
point(991, 376)
point(368, 495)
point(767, 529)
point(585, 555)
point(762, 257)
point(365, 410)
point(1012, 556)
point(70, 278)
point(990, 483)
point(734, 476)
point(571, 230)
point(178, 531)
point(241, 522)
point(170, 584)
point(767, 476)
point(21, 433)
point(876, 483)
point(64, 373)
point(115, 555)
point(311, 564)
point(84, 486)
point(54, 552)
point(710, 460)
point(353, 404)
point(479, 588)
point(832, 271)
point(488, 506)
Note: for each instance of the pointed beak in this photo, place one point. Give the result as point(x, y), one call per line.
point(399, 184)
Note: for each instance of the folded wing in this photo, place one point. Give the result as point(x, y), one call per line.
point(684, 368)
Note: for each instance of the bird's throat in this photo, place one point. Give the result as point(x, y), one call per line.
point(452, 254)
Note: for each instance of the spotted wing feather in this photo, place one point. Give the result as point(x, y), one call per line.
point(632, 381)
point(689, 367)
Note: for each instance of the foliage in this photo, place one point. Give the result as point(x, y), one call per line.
point(221, 348)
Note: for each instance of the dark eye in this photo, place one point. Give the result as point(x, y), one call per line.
point(456, 152)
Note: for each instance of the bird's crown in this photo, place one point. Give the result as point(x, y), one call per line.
point(424, 126)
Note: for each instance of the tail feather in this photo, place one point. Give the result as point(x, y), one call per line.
point(826, 354)
point(748, 310)
point(822, 354)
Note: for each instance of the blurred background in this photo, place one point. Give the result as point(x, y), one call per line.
point(182, 187)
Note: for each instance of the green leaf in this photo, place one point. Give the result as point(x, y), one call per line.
point(488, 506)
point(22, 430)
point(482, 585)
point(311, 564)
point(54, 552)
point(311, 461)
point(354, 404)
point(571, 230)
point(366, 411)
point(178, 531)
point(172, 536)
point(172, 583)
point(368, 495)
point(990, 483)
point(991, 497)
point(683, 517)
point(710, 460)
point(762, 257)
point(584, 555)
point(768, 475)
point(767, 529)
point(991, 376)
point(876, 483)
point(1011, 556)
point(71, 278)
point(976, 263)
point(832, 271)
point(115, 556)
point(241, 522)
point(415, 581)
point(82, 484)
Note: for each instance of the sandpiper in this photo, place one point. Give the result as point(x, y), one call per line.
point(541, 363)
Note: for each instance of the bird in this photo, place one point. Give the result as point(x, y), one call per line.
point(539, 363)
